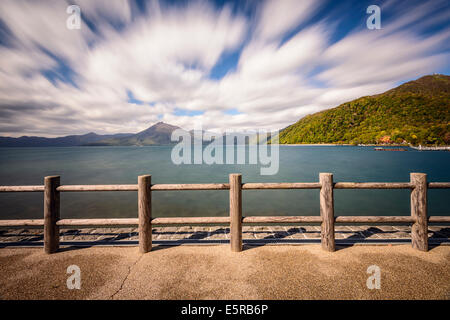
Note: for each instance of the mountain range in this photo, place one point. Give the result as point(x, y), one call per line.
point(67, 141)
point(158, 134)
point(416, 112)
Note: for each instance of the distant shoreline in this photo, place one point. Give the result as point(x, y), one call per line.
point(283, 144)
point(314, 144)
point(365, 145)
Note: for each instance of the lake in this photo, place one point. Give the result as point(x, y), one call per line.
point(122, 165)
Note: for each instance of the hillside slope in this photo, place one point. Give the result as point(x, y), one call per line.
point(417, 112)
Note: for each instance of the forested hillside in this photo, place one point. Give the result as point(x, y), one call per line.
point(417, 112)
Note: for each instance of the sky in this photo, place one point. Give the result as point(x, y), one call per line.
point(219, 64)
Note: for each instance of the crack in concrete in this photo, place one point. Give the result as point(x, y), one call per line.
point(126, 277)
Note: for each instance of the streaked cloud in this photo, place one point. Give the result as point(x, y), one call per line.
point(292, 58)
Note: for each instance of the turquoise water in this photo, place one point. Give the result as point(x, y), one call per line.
point(122, 165)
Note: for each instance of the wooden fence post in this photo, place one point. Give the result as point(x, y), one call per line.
point(51, 214)
point(327, 212)
point(419, 229)
point(145, 213)
point(236, 212)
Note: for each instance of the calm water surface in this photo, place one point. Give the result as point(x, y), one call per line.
point(122, 165)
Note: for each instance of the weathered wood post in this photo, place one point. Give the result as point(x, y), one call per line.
point(236, 212)
point(419, 229)
point(145, 213)
point(327, 212)
point(51, 214)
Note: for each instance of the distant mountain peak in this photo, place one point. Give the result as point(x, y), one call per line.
point(90, 134)
point(159, 133)
point(158, 127)
point(161, 124)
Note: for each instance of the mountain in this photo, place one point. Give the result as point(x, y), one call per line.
point(67, 141)
point(416, 112)
point(158, 134)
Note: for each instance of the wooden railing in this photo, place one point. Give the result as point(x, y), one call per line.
point(52, 189)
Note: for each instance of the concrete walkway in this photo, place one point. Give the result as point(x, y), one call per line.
point(213, 272)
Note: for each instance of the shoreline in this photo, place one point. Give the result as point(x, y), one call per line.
point(314, 144)
point(424, 148)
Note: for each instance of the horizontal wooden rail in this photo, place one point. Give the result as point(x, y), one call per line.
point(283, 219)
point(283, 185)
point(372, 219)
point(373, 185)
point(192, 186)
point(21, 188)
point(439, 219)
point(106, 187)
point(98, 222)
point(439, 185)
point(226, 186)
point(218, 220)
point(190, 220)
point(22, 223)
point(418, 186)
point(155, 187)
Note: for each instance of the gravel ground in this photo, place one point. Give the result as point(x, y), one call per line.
point(213, 272)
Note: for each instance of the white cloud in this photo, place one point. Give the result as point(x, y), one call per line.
point(165, 55)
point(278, 17)
point(106, 10)
point(364, 58)
point(297, 54)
